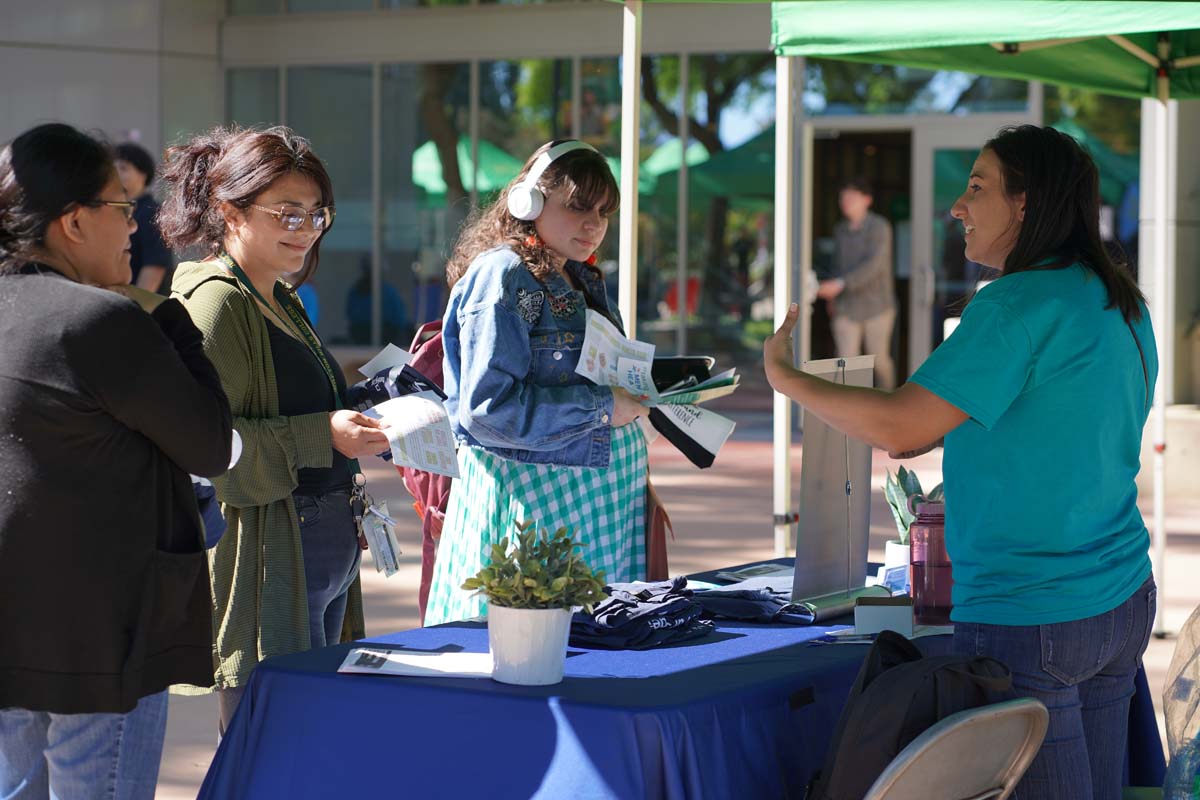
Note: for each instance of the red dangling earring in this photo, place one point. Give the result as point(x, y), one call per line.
point(591, 260)
point(532, 240)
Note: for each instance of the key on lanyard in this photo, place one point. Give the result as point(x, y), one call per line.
point(358, 507)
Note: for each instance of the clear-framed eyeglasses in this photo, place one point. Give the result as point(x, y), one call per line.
point(291, 218)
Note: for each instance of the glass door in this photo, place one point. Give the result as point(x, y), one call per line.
point(942, 277)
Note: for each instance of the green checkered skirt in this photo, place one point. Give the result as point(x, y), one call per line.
point(605, 508)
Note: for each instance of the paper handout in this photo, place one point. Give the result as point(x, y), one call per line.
point(419, 433)
point(390, 356)
point(378, 661)
point(604, 346)
point(610, 359)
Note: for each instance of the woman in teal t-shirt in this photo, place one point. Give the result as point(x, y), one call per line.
point(1041, 394)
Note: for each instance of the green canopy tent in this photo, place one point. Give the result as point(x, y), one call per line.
point(1136, 48)
point(496, 169)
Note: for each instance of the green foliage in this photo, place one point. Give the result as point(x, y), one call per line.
point(538, 571)
point(903, 491)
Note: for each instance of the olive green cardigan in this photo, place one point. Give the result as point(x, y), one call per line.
point(257, 570)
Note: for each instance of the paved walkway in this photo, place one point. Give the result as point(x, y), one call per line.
point(722, 516)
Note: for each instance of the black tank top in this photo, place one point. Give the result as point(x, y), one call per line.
point(304, 389)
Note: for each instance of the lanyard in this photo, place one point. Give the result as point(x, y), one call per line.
point(300, 326)
point(297, 324)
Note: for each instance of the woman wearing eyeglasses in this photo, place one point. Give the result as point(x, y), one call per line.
point(284, 577)
point(104, 409)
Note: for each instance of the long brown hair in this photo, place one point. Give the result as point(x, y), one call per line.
point(588, 180)
point(233, 165)
point(1062, 210)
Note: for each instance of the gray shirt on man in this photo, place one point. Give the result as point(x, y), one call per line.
point(864, 262)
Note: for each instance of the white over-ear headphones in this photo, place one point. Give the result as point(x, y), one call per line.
point(525, 200)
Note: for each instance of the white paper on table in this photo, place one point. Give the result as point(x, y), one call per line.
point(419, 433)
point(707, 428)
point(390, 356)
point(776, 583)
point(603, 346)
point(848, 636)
point(374, 661)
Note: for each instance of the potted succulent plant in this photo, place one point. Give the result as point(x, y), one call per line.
point(533, 585)
point(903, 491)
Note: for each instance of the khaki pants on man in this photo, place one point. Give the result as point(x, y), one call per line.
point(871, 336)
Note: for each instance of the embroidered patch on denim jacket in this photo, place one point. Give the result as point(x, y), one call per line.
point(529, 305)
point(564, 306)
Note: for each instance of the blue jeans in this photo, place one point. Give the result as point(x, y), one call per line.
point(82, 756)
point(329, 539)
point(1083, 671)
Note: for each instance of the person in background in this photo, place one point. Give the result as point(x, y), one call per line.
point(105, 408)
point(394, 323)
point(861, 294)
point(1041, 393)
point(285, 575)
point(537, 441)
point(150, 259)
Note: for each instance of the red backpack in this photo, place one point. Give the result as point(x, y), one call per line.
point(430, 491)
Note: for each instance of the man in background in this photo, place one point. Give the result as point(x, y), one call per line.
point(861, 294)
point(150, 259)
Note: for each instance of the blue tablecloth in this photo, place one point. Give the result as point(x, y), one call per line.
point(745, 712)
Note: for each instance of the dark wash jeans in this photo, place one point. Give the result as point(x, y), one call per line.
point(1083, 671)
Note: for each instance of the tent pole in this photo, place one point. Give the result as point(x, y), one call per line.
point(785, 169)
point(631, 106)
point(681, 211)
point(1162, 141)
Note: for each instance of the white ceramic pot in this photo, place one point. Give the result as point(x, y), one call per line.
point(528, 645)
point(895, 554)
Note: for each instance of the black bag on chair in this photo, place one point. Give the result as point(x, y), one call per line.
point(897, 695)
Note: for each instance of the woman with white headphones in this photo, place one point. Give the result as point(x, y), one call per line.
point(538, 442)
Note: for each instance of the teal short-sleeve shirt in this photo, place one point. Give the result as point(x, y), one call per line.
point(1042, 523)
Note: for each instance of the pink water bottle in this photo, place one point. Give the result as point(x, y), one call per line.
point(929, 565)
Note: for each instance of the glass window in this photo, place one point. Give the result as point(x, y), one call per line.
point(424, 125)
point(845, 87)
point(330, 5)
point(731, 184)
point(412, 3)
point(524, 104)
point(331, 106)
point(252, 96)
point(240, 7)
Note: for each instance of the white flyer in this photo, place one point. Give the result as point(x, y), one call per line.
point(377, 661)
point(603, 348)
point(390, 356)
point(419, 433)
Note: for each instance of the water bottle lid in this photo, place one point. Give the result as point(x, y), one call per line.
point(930, 509)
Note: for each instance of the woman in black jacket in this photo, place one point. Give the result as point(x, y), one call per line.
point(104, 410)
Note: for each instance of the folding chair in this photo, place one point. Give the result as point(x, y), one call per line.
point(978, 754)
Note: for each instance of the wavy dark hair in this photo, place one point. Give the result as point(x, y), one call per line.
point(44, 173)
point(1062, 210)
point(589, 181)
point(233, 165)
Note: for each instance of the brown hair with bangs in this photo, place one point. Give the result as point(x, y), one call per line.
point(233, 165)
point(589, 181)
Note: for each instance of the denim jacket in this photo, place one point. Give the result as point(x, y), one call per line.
point(512, 343)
